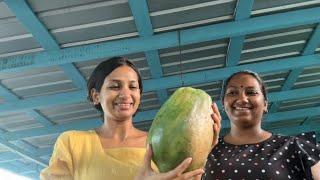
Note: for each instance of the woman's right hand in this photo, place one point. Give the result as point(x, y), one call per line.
point(146, 172)
point(216, 118)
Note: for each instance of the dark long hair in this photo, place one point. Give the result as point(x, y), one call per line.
point(103, 69)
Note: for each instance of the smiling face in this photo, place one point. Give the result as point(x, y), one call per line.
point(244, 101)
point(119, 96)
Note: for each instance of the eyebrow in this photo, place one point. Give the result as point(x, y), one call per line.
point(249, 87)
point(116, 80)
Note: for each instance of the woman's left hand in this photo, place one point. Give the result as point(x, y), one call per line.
point(216, 117)
point(147, 173)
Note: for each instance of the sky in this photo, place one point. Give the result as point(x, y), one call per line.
point(7, 175)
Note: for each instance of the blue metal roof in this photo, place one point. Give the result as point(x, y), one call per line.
point(49, 48)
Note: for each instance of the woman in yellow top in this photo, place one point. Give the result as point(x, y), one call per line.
point(115, 150)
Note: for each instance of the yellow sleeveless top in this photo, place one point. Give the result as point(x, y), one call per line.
point(79, 155)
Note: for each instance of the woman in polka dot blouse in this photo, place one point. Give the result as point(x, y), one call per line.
point(248, 151)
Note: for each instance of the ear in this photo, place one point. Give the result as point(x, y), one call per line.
point(95, 96)
point(265, 106)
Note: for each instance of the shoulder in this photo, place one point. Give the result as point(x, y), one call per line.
point(71, 136)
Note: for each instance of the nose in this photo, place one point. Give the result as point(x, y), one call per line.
point(243, 97)
point(124, 92)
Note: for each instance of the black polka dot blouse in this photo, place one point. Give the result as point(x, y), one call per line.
point(279, 157)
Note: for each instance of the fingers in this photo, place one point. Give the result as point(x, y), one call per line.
point(147, 158)
point(216, 117)
point(179, 169)
point(196, 174)
point(215, 109)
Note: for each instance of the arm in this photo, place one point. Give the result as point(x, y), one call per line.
point(146, 172)
point(315, 171)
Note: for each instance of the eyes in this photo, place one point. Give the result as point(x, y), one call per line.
point(118, 86)
point(248, 92)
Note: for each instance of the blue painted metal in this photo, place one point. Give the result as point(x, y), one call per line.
point(309, 49)
point(307, 121)
point(140, 12)
point(74, 74)
point(11, 156)
point(23, 153)
point(41, 101)
point(27, 17)
point(249, 26)
point(39, 118)
point(148, 115)
point(243, 11)
point(81, 125)
point(6, 94)
point(300, 113)
point(156, 72)
point(25, 146)
point(43, 151)
point(294, 94)
point(223, 73)
point(167, 82)
point(160, 41)
point(13, 168)
point(313, 42)
point(19, 167)
point(288, 84)
point(10, 97)
point(234, 50)
point(88, 52)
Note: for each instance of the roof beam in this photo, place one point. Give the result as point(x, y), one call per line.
point(222, 73)
point(141, 16)
point(148, 115)
point(243, 11)
point(313, 42)
point(11, 156)
point(160, 41)
point(23, 153)
point(294, 74)
point(168, 82)
point(27, 17)
point(42, 101)
point(10, 97)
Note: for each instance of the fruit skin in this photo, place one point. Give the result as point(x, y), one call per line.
point(182, 128)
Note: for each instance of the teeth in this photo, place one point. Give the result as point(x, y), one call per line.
point(125, 105)
point(241, 108)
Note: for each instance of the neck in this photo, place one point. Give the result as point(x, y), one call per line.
point(115, 129)
point(250, 135)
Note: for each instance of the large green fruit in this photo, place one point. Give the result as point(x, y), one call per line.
point(182, 128)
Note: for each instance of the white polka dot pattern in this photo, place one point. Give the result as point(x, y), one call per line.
point(279, 157)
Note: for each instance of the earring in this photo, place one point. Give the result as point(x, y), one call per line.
point(265, 112)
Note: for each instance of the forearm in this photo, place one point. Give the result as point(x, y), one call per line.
point(315, 170)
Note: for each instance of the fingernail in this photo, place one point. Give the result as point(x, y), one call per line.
point(189, 160)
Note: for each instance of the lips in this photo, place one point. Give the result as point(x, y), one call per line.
point(123, 105)
point(242, 109)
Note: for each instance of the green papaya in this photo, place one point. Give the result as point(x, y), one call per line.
point(182, 128)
